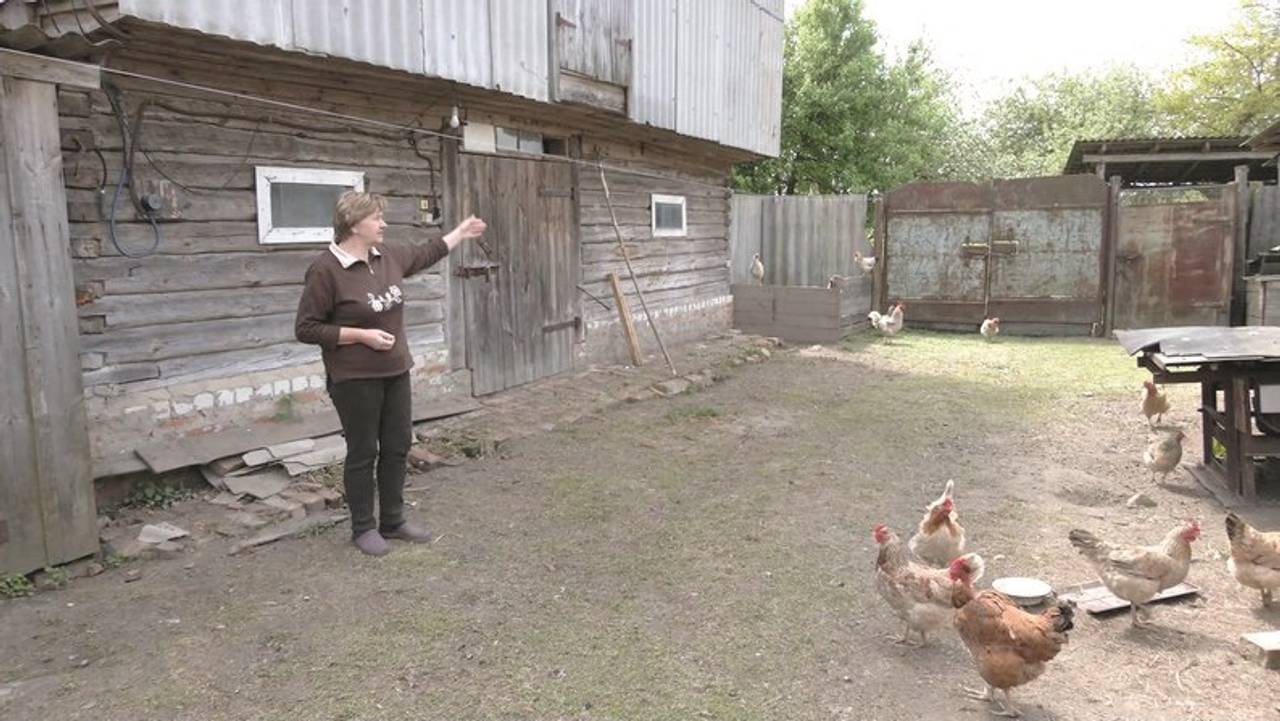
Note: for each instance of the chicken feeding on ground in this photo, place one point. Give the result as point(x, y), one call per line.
point(1010, 646)
point(1163, 454)
point(866, 265)
point(919, 595)
point(1155, 403)
point(757, 268)
point(1138, 573)
point(939, 537)
point(890, 323)
point(1255, 557)
point(990, 328)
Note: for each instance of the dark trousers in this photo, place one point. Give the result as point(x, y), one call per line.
point(377, 421)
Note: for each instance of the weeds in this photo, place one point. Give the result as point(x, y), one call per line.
point(15, 585)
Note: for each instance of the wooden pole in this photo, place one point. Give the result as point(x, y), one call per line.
point(1111, 236)
point(628, 327)
point(626, 257)
point(1240, 244)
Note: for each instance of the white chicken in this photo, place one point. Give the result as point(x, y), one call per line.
point(888, 324)
point(990, 328)
point(920, 596)
point(1138, 573)
point(939, 537)
point(865, 264)
point(1163, 454)
point(757, 268)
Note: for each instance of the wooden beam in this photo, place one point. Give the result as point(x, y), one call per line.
point(1111, 235)
point(628, 327)
point(1240, 256)
point(1236, 155)
point(30, 66)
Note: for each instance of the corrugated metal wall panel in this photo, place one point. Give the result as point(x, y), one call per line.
point(521, 57)
point(457, 38)
point(382, 32)
point(803, 239)
point(267, 22)
point(652, 97)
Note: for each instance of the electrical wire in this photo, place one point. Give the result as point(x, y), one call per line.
point(129, 140)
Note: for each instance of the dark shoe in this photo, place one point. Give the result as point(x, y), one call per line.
point(408, 532)
point(371, 543)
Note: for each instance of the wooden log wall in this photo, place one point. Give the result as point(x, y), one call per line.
point(672, 270)
point(212, 300)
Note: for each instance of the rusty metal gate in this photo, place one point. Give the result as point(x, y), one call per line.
point(1029, 251)
point(1174, 253)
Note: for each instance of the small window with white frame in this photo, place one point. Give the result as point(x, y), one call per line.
point(668, 214)
point(295, 205)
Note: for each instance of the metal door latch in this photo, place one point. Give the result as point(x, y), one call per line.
point(473, 271)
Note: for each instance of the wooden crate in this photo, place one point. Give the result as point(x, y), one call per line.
point(799, 314)
point(1262, 300)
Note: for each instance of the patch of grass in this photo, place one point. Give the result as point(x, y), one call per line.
point(57, 576)
point(1029, 366)
point(16, 585)
point(156, 496)
point(693, 413)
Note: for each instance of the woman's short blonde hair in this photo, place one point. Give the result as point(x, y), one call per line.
point(353, 207)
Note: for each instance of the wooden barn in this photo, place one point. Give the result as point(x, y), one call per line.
point(169, 167)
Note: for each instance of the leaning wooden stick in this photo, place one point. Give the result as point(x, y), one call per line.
point(631, 271)
point(624, 315)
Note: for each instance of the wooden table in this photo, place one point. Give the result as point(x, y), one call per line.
point(1228, 363)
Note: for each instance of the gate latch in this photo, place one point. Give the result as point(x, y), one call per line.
point(473, 271)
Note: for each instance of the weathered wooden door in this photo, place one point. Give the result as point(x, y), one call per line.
point(47, 511)
point(1174, 257)
point(520, 281)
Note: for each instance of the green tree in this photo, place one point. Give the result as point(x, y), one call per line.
point(851, 121)
point(1233, 86)
point(1030, 130)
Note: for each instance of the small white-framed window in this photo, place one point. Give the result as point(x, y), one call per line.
point(295, 205)
point(668, 214)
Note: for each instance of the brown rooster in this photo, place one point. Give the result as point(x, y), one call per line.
point(1155, 403)
point(1010, 646)
point(1255, 557)
point(919, 595)
point(1138, 573)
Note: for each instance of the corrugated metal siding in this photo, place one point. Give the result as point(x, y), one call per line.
point(710, 69)
point(653, 85)
point(458, 41)
point(267, 22)
point(802, 239)
point(520, 54)
point(1264, 220)
point(382, 32)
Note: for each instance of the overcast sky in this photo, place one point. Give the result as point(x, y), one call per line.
point(985, 44)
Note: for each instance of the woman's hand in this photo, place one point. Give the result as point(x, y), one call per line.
point(472, 227)
point(377, 339)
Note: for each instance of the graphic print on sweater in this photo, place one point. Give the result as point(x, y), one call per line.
point(386, 301)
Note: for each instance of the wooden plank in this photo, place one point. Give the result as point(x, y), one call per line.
point(457, 296)
point(666, 281)
point(630, 233)
point(142, 310)
point(628, 326)
point(38, 68)
point(594, 39)
point(1197, 157)
point(170, 455)
point(586, 91)
point(49, 337)
point(1096, 599)
point(153, 343)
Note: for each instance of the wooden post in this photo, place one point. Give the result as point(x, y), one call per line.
point(1240, 258)
point(1239, 467)
point(624, 314)
point(1112, 231)
point(47, 497)
point(880, 274)
point(1208, 402)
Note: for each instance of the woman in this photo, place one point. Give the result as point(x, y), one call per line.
point(353, 308)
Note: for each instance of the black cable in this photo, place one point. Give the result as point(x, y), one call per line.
point(129, 142)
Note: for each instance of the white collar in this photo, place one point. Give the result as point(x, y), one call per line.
point(346, 259)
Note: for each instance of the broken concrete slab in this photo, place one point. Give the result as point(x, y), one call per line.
point(311, 501)
point(225, 465)
point(263, 484)
point(278, 452)
point(1266, 647)
point(328, 451)
point(156, 533)
point(213, 478)
point(285, 505)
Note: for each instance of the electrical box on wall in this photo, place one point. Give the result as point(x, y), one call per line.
point(478, 138)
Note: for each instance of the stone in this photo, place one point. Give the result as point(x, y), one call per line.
point(246, 519)
point(671, 387)
point(1140, 500)
point(286, 506)
point(132, 575)
point(311, 502)
point(332, 496)
point(155, 533)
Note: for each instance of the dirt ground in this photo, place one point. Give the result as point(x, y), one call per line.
point(707, 556)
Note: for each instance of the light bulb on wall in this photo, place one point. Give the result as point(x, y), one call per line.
point(453, 118)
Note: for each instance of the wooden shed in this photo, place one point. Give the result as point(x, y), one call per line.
point(199, 167)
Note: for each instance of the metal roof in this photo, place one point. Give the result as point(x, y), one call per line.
point(1187, 345)
point(1268, 139)
point(1170, 160)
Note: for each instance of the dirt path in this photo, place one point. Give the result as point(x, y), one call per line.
point(706, 556)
